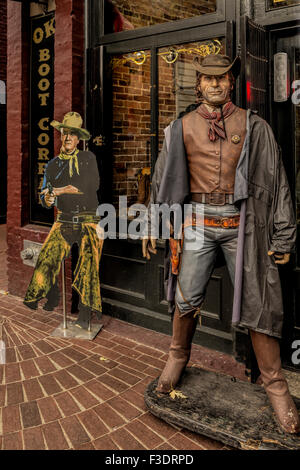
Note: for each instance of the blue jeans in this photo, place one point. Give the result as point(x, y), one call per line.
point(199, 255)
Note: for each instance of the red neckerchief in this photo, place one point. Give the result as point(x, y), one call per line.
point(216, 120)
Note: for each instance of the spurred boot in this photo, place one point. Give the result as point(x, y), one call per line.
point(180, 351)
point(267, 353)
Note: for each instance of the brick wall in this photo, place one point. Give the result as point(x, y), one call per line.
point(69, 46)
point(3, 59)
point(144, 13)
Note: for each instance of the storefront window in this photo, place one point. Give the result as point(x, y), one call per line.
point(131, 123)
point(122, 15)
point(177, 78)
point(272, 4)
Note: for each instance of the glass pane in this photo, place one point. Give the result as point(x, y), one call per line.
point(131, 125)
point(177, 78)
point(121, 15)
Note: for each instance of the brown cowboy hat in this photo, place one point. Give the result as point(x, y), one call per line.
point(73, 122)
point(217, 64)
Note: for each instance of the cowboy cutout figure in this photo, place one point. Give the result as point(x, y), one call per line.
point(225, 161)
point(71, 181)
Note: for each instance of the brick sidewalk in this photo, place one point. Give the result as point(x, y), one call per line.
point(78, 394)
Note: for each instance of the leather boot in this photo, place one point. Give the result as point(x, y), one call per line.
point(267, 353)
point(180, 351)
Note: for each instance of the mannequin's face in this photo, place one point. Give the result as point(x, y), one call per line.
point(216, 90)
point(69, 141)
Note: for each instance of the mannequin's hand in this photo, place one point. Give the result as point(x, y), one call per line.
point(280, 258)
point(149, 246)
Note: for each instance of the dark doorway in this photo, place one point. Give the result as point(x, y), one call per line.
point(285, 117)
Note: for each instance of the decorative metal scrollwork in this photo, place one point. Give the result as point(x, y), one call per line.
point(170, 56)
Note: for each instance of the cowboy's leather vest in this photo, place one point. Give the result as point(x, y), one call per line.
point(212, 165)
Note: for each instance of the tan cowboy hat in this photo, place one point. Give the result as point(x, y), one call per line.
point(217, 64)
point(73, 122)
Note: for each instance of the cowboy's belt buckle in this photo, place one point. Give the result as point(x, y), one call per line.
point(75, 219)
point(217, 199)
point(236, 139)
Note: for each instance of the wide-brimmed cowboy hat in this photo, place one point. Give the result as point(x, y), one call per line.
point(217, 64)
point(73, 122)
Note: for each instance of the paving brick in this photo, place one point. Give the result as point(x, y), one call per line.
point(107, 353)
point(152, 361)
point(135, 398)
point(93, 423)
point(105, 362)
point(160, 427)
point(149, 351)
point(98, 389)
point(26, 352)
point(12, 441)
point(14, 393)
point(165, 446)
point(30, 414)
point(44, 347)
point(141, 375)
point(125, 440)
point(113, 383)
point(180, 442)
point(33, 389)
point(45, 365)
point(61, 359)
point(125, 342)
point(80, 373)
point(130, 379)
point(84, 397)
point(109, 416)
point(33, 439)
point(2, 395)
point(74, 354)
point(54, 436)
point(126, 351)
point(49, 384)
point(124, 408)
point(74, 430)
point(29, 369)
point(49, 409)
point(86, 446)
point(132, 363)
point(67, 404)
point(105, 443)
point(10, 355)
point(141, 386)
point(91, 366)
point(11, 420)
point(144, 434)
point(12, 373)
point(65, 379)
point(153, 372)
point(105, 342)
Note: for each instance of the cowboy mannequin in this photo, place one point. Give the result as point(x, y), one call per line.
point(225, 162)
point(71, 181)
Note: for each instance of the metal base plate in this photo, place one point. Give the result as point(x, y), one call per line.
point(223, 408)
point(73, 331)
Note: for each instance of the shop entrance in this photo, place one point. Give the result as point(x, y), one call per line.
point(285, 117)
